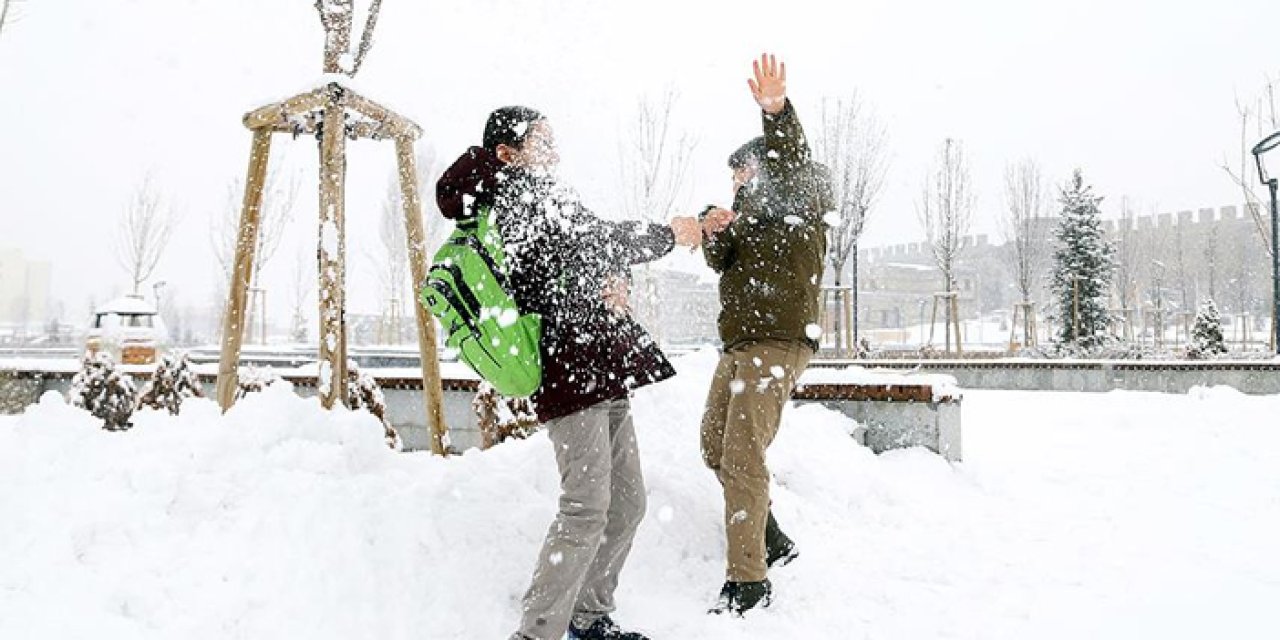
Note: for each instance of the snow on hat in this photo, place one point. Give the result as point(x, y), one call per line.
point(754, 149)
point(509, 126)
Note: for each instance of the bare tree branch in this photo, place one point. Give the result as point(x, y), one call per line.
point(1263, 118)
point(1130, 256)
point(302, 274)
point(391, 260)
point(945, 209)
point(278, 201)
point(852, 147)
point(655, 161)
point(146, 224)
point(1024, 226)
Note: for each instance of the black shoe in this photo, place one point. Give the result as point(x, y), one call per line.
point(739, 597)
point(604, 629)
point(779, 549)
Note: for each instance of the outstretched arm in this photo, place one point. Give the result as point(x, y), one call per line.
point(718, 248)
point(785, 144)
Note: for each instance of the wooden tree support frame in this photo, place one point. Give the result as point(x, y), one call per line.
point(1026, 311)
point(952, 301)
point(837, 319)
point(359, 118)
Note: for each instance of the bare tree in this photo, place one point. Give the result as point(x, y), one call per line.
point(391, 262)
point(852, 147)
point(1130, 261)
point(1258, 117)
point(655, 160)
point(146, 226)
point(655, 175)
point(945, 211)
point(1025, 231)
point(300, 286)
point(278, 201)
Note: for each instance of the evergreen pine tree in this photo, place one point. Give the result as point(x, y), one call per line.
point(1206, 336)
point(172, 382)
point(1083, 262)
point(104, 391)
point(251, 379)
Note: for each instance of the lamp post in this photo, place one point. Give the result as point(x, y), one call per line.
point(155, 291)
point(1268, 144)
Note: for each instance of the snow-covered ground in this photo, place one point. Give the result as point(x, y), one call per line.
point(1118, 515)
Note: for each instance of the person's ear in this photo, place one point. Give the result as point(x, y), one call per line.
point(506, 154)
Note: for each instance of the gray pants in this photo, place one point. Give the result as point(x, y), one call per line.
point(601, 504)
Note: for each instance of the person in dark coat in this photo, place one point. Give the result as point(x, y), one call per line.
point(572, 268)
point(769, 252)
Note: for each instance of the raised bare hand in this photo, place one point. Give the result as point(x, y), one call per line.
point(769, 87)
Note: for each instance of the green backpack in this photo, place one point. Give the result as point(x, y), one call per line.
point(467, 290)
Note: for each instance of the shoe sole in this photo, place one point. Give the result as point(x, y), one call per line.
point(784, 560)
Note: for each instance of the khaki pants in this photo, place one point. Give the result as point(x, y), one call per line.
point(601, 504)
point(752, 384)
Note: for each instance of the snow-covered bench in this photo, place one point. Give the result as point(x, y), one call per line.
point(893, 410)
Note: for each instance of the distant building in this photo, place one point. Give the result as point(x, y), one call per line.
point(24, 293)
point(1166, 264)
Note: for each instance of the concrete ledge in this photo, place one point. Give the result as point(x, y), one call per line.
point(893, 419)
point(891, 416)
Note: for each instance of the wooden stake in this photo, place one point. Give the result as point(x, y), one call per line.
point(233, 325)
point(1013, 327)
point(848, 323)
point(433, 394)
point(955, 316)
point(332, 383)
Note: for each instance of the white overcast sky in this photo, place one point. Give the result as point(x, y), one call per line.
point(95, 95)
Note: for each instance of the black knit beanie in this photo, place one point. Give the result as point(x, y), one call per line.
point(509, 126)
point(754, 149)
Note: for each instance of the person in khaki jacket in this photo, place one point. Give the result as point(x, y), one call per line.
point(769, 252)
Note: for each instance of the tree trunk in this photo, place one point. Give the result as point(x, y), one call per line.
point(853, 319)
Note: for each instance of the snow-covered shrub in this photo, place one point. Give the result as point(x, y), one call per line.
point(104, 391)
point(1206, 336)
point(502, 418)
point(252, 380)
point(363, 392)
point(17, 391)
point(172, 382)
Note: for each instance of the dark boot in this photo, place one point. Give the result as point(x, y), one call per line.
point(779, 549)
point(604, 629)
point(737, 598)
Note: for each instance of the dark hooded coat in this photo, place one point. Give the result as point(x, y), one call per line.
point(559, 256)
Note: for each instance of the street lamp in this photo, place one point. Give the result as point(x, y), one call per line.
point(1269, 173)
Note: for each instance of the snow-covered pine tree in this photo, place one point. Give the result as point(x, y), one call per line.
point(104, 391)
point(252, 380)
point(1206, 337)
point(363, 392)
point(172, 382)
point(1083, 262)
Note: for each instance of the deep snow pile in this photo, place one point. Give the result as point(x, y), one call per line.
point(1102, 516)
